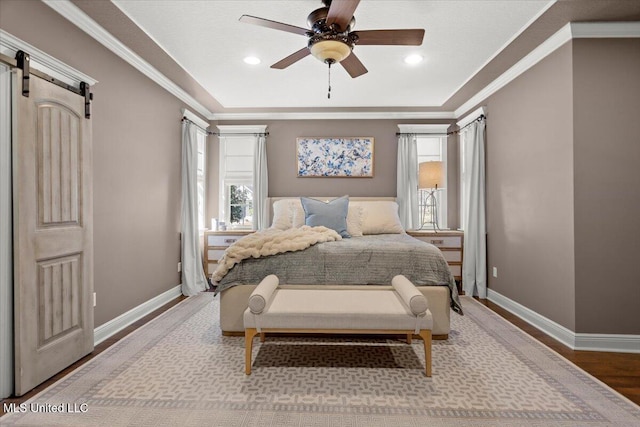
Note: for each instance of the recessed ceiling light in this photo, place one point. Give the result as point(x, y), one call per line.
point(413, 59)
point(252, 60)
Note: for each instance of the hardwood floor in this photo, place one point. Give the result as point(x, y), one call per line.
point(621, 371)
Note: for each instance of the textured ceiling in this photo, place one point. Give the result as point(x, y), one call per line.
point(208, 41)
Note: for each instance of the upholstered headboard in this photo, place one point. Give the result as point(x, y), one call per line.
point(272, 200)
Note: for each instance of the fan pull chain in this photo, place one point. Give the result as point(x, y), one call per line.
point(329, 91)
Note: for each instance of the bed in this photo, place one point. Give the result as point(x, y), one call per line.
point(377, 250)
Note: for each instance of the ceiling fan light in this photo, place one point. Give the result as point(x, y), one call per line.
point(331, 50)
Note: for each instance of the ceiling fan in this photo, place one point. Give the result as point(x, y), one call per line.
point(332, 39)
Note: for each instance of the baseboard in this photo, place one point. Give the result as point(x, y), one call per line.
point(114, 326)
point(608, 342)
point(576, 341)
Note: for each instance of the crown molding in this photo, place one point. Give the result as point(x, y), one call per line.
point(41, 61)
point(504, 46)
point(535, 56)
point(81, 20)
point(568, 32)
point(572, 30)
point(347, 115)
point(609, 30)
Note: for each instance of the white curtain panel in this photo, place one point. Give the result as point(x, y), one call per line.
point(193, 280)
point(474, 265)
point(407, 181)
point(260, 184)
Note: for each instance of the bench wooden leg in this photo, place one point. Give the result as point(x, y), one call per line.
point(409, 338)
point(426, 337)
point(249, 334)
point(262, 336)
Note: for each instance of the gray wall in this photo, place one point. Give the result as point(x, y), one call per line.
point(530, 189)
point(561, 138)
point(607, 185)
point(136, 140)
point(563, 187)
point(281, 155)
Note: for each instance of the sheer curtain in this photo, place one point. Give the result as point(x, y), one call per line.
point(260, 184)
point(193, 280)
point(474, 265)
point(407, 181)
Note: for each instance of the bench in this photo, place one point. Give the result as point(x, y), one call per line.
point(402, 310)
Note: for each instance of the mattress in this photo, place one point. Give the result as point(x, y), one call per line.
point(366, 260)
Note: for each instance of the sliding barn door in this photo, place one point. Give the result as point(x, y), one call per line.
point(53, 233)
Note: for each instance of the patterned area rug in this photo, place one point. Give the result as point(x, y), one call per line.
point(178, 370)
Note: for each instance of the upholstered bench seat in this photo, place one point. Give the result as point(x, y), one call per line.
point(401, 310)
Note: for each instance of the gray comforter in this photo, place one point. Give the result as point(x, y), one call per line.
point(367, 260)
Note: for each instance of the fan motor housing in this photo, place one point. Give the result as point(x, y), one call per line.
point(318, 18)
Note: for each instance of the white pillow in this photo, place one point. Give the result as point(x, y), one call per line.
point(354, 220)
point(380, 217)
point(282, 214)
point(297, 212)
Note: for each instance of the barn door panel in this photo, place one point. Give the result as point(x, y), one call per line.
point(53, 233)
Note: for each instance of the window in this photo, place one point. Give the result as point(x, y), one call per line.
point(236, 181)
point(240, 205)
point(431, 142)
point(237, 147)
point(433, 148)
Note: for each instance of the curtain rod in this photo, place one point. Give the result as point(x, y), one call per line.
point(184, 119)
point(453, 132)
point(480, 118)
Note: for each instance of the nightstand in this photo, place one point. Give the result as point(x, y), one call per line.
point(215, 243)
point(450, 243)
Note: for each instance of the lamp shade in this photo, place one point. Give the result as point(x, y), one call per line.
point(330, 50)
point(430, 175)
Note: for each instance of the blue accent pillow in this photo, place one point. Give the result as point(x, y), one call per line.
point(332, 214)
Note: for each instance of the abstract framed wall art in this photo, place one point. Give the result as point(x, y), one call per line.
point(334, 157)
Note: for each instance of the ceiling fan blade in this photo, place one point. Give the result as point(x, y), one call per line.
point(353, 66)
point(291, 59)
point(341, 12)
point(390, 37)
point(273, 24)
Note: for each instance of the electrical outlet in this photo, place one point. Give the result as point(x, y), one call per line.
point(495, 271)
point(94, 299)
point(179, 267)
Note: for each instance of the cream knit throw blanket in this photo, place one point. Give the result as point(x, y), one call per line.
point(271, 242)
